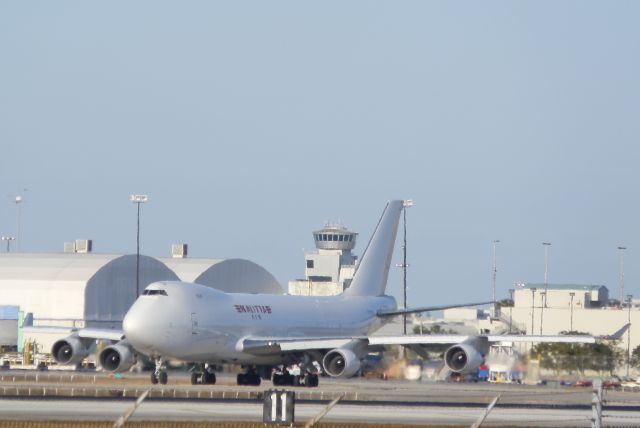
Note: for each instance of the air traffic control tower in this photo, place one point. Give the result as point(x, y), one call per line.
point(330, 268)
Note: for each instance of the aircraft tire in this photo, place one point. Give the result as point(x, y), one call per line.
point(312, 381)
point(195, 378)
point(154, 378)
point(163, 378)
point(208, 378)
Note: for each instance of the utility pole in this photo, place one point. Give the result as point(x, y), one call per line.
point(494, 271)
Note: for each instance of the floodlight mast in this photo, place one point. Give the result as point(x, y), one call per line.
point(407, 203)
point(8, 239)
point(138, 199)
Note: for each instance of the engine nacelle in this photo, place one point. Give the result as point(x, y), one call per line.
point(117, 358)
point(341, 362)
point(70, 350)
point(463, 358)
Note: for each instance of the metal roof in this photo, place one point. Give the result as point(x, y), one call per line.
point(541, 286)
point(52, 266)
point(229, 275)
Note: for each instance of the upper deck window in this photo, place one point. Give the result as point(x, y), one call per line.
point(154, 293)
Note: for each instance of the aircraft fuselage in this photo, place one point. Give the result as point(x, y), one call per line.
point(195, 323)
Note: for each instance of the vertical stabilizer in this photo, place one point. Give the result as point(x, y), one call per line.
point(371, 275)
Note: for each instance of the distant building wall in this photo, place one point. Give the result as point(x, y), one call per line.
point(593, 321)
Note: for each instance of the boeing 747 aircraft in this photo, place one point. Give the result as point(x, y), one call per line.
point(198, 324)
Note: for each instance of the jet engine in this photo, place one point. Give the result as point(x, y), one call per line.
point(463, 358)
point(117, 358)
point(341, 362)
point(70, 350)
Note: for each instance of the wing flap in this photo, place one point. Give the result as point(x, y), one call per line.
point(418, 339)
point(266, 346)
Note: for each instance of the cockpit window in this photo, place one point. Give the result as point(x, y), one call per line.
point(154, 293)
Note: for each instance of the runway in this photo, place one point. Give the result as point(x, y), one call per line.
point(372, 401)
point(110, 410)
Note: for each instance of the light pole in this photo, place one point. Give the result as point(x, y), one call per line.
point(543, 303)
point(138, 199)
point(621, 278)
point(406, 204)
point(629, 297)
point(511, 290)
point(494, 271)
point(533, 305)
point(572, 294)
point(18, 201)
point(8, 239)
point(546, 246)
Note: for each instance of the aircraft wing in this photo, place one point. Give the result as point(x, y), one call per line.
point(265, 345)
point(84, 333)
point(559, 338)
point(451, 339)
point(427, 309)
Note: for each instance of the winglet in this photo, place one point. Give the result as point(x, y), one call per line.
point(617, 335)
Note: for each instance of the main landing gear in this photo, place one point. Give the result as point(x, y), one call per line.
point(204, 375)
point(251, 377)
point(287, 379)
point(159, 375)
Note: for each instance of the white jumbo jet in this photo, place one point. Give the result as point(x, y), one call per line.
point(205, 326)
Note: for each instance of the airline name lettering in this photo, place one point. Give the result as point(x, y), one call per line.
point(253, 309)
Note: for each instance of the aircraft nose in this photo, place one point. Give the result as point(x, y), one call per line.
point(134, 327)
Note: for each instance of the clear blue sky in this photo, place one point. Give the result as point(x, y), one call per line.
point(249, 124)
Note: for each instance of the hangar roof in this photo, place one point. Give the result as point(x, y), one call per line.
point(52, 266)
point(229, 275)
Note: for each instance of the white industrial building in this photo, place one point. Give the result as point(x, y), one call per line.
point(78, 290)
point(74, 289)
point(552, 309)
point(330, 268)
point(570, 307)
